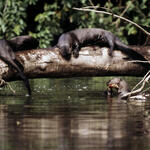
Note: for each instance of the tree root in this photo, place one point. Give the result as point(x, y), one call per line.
point(4, 83)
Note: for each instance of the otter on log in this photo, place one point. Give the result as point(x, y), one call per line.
point(25, 42)
point(72, 41)
point(7, 48)
point(8, 56)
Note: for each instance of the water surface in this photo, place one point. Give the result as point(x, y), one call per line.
point(71, 114)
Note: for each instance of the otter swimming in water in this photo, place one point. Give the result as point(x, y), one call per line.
point(123, 90)
point(119, 84)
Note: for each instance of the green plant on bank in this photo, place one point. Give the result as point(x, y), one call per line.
point(58, 16)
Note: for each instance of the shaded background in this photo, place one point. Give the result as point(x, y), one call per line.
point(47, 19)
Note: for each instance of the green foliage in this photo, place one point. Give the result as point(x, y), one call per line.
point(48, 24)
point(12, 18)
point(57, 16)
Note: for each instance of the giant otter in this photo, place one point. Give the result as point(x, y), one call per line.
point(7, 48)
point(72, 41)
point(123, 90)
point(8, 56)
point(25, 42)
point(119, 84)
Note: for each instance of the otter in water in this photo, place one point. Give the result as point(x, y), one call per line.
point(123, 90)
point(72, 41)
point(119, 84)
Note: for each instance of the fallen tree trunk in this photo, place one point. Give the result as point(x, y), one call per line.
point(92, 61)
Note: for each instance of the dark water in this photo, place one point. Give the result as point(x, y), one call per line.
point(71, 114)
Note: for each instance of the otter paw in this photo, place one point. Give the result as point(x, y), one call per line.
point(75, 54)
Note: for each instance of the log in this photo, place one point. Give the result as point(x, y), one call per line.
point(92, 61)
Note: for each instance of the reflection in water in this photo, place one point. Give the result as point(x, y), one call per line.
point(84, 120)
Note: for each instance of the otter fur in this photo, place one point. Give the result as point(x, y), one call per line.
point(7, 49)
point(72, 41)
point(8, 56)
point(24, 42)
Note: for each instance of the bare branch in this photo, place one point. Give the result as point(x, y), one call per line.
point(125, 10)
point(92, 4)
point(140, 61)
point(143, 81)
point(107, 13)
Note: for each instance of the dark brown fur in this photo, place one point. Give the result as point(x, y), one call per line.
point(120, 85)
point(71, 42)
point(24, 42)
point(7, 54)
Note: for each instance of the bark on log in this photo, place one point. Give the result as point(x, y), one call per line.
point(92, 61)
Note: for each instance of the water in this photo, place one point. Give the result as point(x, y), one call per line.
point(71, 114)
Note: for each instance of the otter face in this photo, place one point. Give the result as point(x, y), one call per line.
point(119, 84)
point(65, 51)
point(114, 83)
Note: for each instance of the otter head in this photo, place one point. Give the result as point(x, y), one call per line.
point(119, 84)
point(112, 84)
point(65, 51)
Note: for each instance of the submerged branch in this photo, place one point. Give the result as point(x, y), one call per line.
point(137, 91)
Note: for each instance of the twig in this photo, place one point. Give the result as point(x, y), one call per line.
point(145, 90)
point(141, 81)
point(125, 10)
point(107, 13)
point(10, 87)
point(93, 7)
point(144, 80)
point(5, 7)
point(3, 83)
point(140, 61)
point(91, 3)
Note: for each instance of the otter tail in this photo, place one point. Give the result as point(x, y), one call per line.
point(21, 74)
point(131, 53)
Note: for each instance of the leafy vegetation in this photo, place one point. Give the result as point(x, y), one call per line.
point(46, 20)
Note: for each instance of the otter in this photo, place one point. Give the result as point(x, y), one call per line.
point(24, 42)
point(19, 43)
point(72, 41)
point(123, 90)
point(8, 56)
point(119, 84)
